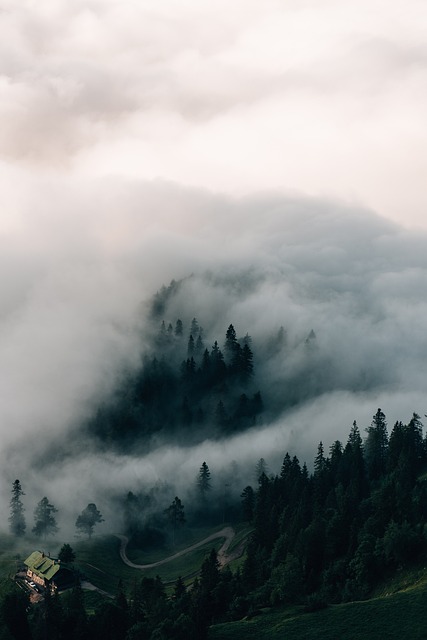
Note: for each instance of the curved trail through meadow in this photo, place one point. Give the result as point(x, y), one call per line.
point(228, 533)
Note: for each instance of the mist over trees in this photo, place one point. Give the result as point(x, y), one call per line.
point(89, 517)
point(185, 388)
point(297, 264)
point(175, 515)
point(319, 538)
point(44, 519)
point(324, 537)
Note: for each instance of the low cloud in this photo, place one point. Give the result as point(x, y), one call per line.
point(77, 316)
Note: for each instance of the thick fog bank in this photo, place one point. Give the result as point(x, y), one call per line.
point(78, 274)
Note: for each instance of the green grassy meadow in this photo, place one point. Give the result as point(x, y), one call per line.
point(184, 538)
point(99, 560)
point(398, 616)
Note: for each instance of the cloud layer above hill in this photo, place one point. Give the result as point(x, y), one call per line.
point(77, 288)
point(250, 144)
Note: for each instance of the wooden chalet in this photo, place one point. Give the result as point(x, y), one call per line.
point(47, 572)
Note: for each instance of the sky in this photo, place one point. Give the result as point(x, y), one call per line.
point(326, 98)
point(274, 149)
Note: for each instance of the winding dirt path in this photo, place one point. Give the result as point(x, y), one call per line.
point(228, 533)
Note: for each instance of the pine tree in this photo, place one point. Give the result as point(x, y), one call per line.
point(231, 344)
point(66, 553)
point(415, 441)
point(194, 328)
point(353, 464)
point(175, 515)
point(321, 480)
point(218, 367)
point(320, 460)
point(199, 346)
point(285, 471)
point(261, 469)
point(179, 329)
point(204, 480)
point(206, 362)
point(376, 445)
point(246, 363)
point(17, 518)
point(45, 523)
point(179, 589)
point(396, 445)
point(190, 346)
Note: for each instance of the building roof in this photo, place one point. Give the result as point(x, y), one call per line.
point(42, 565)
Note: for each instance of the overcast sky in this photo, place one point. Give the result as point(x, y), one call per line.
point(144, 141)
point(326, 97)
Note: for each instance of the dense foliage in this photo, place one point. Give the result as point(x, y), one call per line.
point(187, 386)
point(332, 535)
point(319, 538)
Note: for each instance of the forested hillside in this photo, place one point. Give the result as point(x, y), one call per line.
point(321, 534)
point(324, 537)
point(192, 384)
point(186, 385)
point(318, 538)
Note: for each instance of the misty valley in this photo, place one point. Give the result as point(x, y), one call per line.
point(191, 554)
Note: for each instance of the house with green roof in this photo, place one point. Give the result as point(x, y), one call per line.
point(48, 572)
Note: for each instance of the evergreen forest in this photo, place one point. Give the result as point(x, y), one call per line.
point(316, 535)
point(319, 538)
point(185, 388)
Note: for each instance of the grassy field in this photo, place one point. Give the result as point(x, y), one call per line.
point(98, 559)
point(398, 616)
point(12, 552)
point(184, 538)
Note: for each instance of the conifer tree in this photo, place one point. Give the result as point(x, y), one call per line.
point(194, 328)
point(175, 515)
point(45, 522)
point(376, 445)
point(231, 348)
point(246, 363)
point(190, 346)
point(198, 347)
point(204, 480)
point(320, 460)
point(261, 469)
point(17, 519)
point(66, 553)
point(218, 367)
point(179, 328)
point(415, 441)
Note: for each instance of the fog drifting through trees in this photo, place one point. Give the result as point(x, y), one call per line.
point(79, 317)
